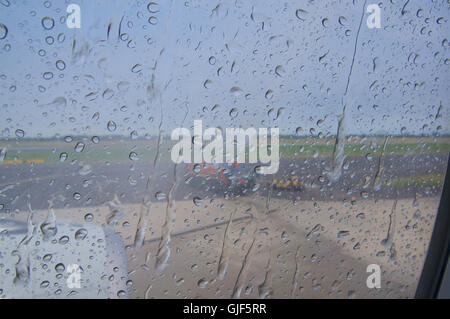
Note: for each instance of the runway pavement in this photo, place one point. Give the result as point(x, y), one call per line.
point(249, 248)
point(91, 184)
point(187, 236)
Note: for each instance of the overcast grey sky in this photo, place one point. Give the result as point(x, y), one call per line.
point(229, 63)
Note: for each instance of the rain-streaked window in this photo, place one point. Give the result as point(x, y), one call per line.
point(220, 149)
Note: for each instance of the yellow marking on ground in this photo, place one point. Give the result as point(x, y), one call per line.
point(35, 161)
point(11, 162)
point(19, 161)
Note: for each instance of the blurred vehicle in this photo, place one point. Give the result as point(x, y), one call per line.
point(239, 178)
point(288, 183)
point(234, 179)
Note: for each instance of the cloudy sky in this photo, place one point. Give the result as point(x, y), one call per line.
point(233, 63)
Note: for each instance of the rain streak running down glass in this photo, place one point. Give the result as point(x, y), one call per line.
point(93, 204)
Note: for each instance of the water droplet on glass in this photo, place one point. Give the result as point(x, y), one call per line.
point(133, 156)
point(197, 201)
point(279, 70)
point(47, 23)
point(236, 91)
point(153, 20)
point(64, 240)
point(49, 40)
point(60, 65)
point(20, 133)
point(62, 156)
point(202, 283)
point(301, 14)
point(79, 147)
point(60, 268)
point(136, 68)
point(3, 31)
point(111, 126)
point(207, 84)
point(108, 94)
point(160, 196)
point(81, 234)
point(234, 112)
point(47, 75)
point(343, 234)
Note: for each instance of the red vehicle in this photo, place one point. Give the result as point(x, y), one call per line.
point(238, 178)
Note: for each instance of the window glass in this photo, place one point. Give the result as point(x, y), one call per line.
point(110, 186)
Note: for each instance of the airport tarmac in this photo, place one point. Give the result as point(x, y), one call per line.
point(280, 249)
